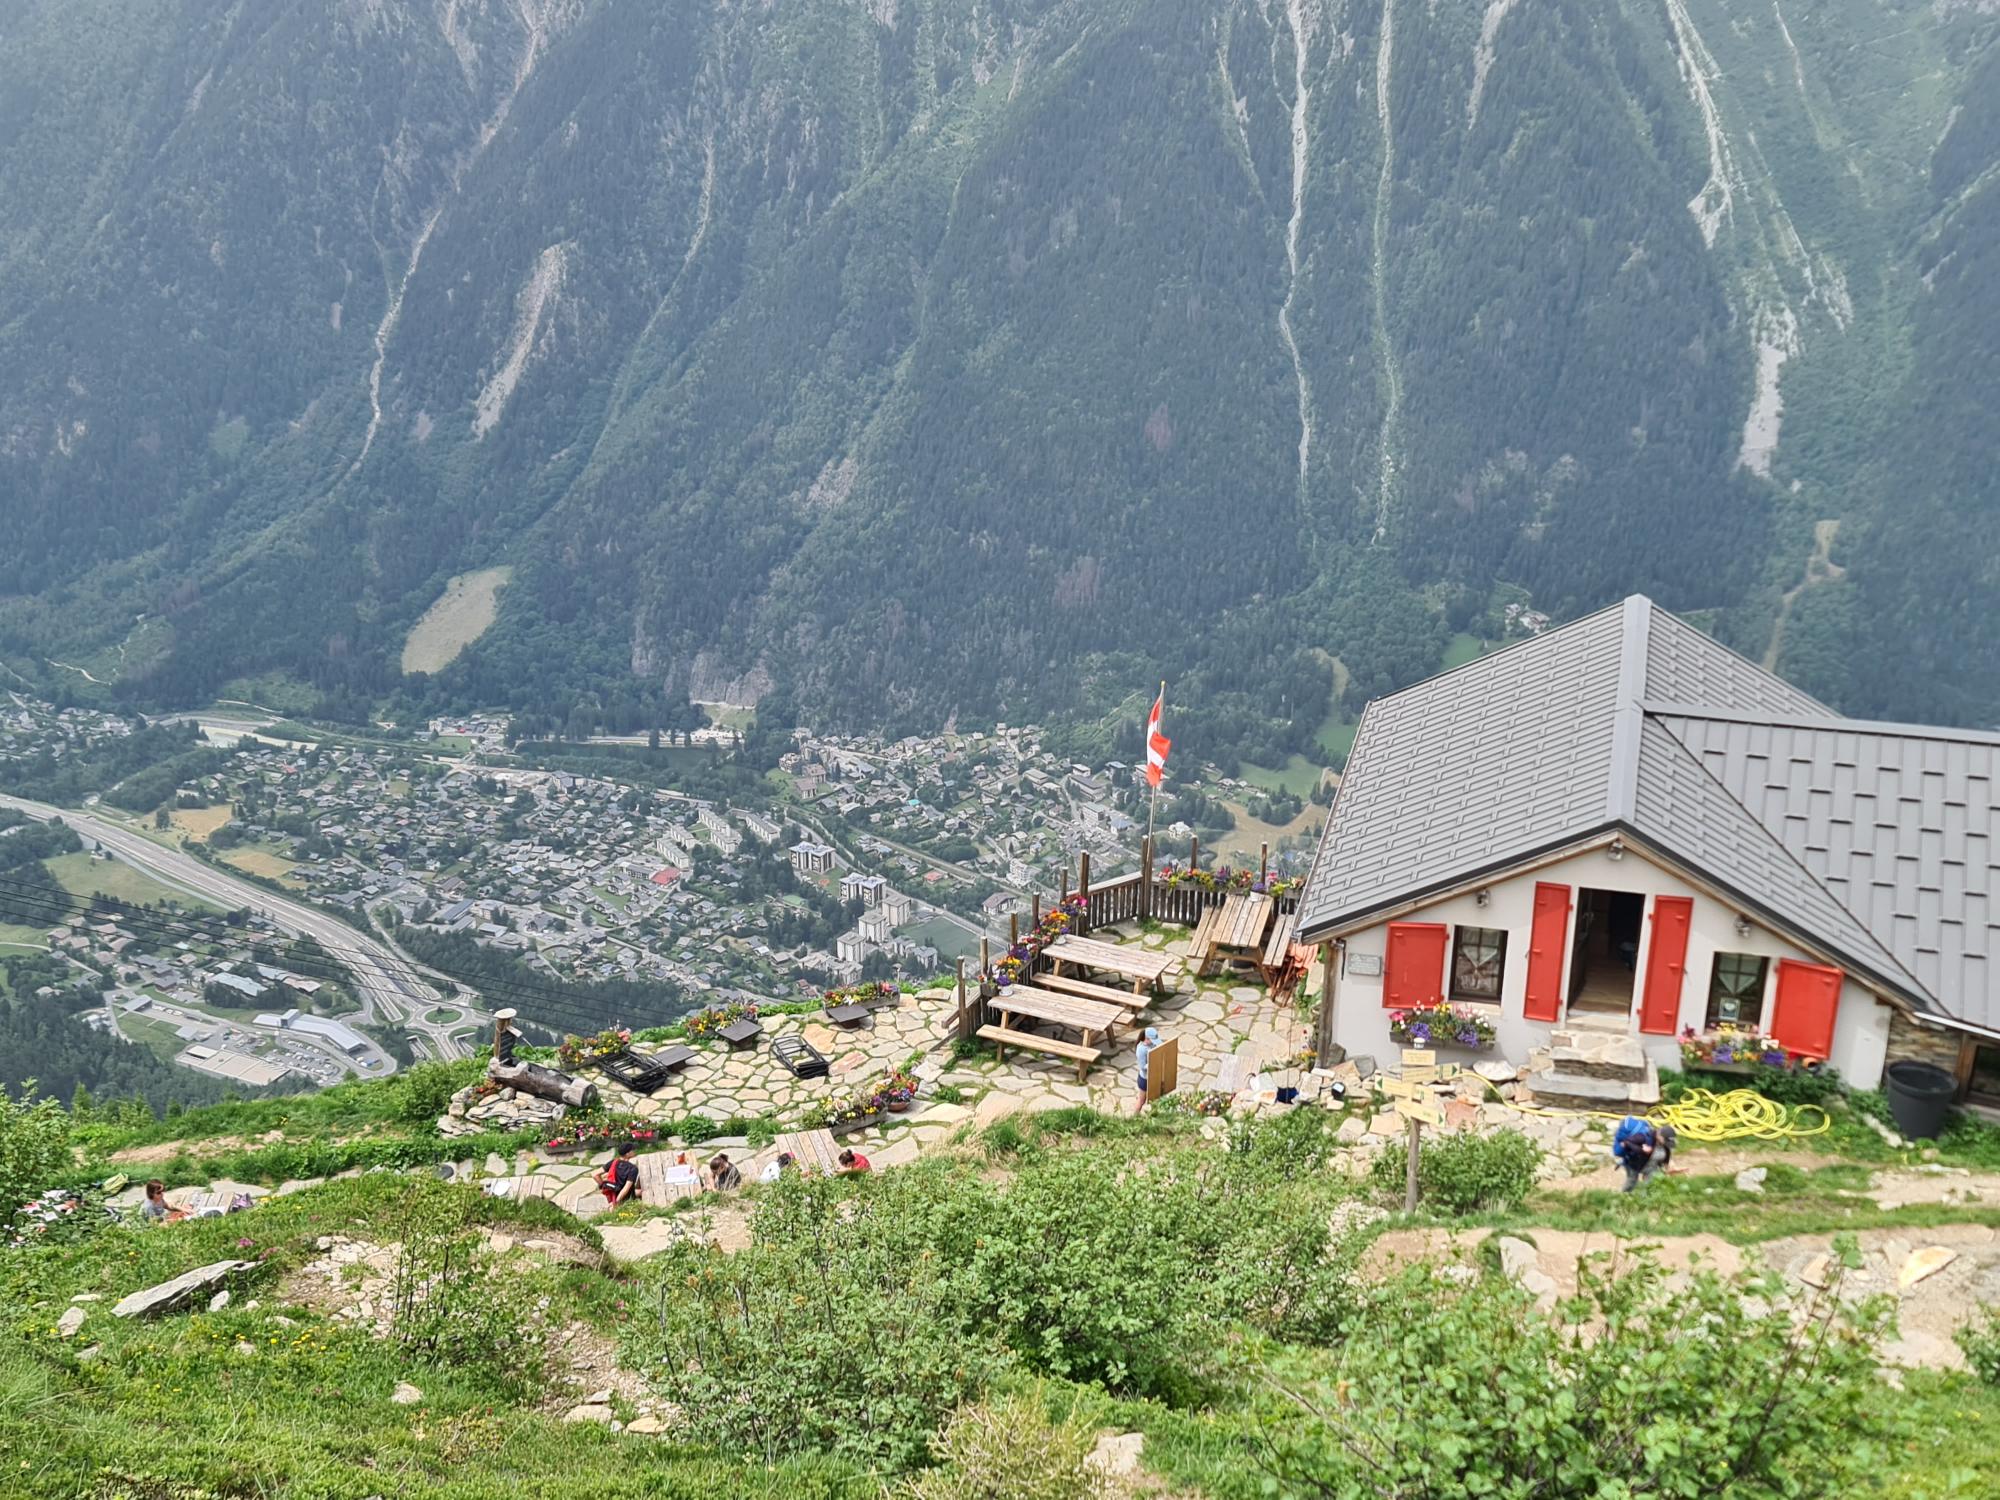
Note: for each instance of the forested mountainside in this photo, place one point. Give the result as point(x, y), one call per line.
point(909, 358)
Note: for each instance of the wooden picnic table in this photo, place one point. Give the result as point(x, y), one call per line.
point(811, 1150)
point(1093, 1018)
point(1233, 932)
point(1144, 968)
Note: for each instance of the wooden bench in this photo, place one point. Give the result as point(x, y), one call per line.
point(1204, 939)
point(1089, 991)
point(1003, 1038)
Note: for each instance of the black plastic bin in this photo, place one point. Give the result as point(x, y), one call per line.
point(1919, 1097)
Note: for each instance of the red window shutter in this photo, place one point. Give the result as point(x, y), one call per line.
point(1666, 965)
point(1546, 946)
point(1414, 972)
point(1808, 999)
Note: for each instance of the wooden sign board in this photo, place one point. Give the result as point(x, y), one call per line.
point(1398, 1088)
point(1419, 1065)
point(1163, 1069)
point(1421, 1107)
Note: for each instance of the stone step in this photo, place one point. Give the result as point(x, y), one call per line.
point(1559, 1089)
point(1618, 1057)
point(1616, 1022)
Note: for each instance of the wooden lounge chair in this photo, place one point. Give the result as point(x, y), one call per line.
point(741, 1033)
point(1204, 939)
point(642, 1073)
point(800, 1057)
point(849, 1014)
point(1277, 955)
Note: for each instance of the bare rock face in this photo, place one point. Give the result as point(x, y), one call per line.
point(183, 1290)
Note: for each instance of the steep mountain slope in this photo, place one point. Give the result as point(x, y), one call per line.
point(988, 356)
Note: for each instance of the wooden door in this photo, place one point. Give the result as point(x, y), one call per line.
point(1807, 1003)
point(1547, 944)
point(1666, 965)
point(1413, 973)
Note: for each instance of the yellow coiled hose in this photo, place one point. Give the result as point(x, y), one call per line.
point(1704, 1115)
point(1740, 1114)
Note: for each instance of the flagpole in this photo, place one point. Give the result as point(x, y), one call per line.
point(1153, 806)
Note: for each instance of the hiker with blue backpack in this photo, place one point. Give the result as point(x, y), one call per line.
point(1642, 1149)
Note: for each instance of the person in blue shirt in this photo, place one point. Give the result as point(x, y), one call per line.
point(1146, 1045)
point(1642, 1149)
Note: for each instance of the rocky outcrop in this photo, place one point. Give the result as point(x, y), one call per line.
point(183, 1290)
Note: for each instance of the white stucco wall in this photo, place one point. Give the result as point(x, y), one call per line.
point(1361, 1024)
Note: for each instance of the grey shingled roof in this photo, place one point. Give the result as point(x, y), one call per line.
point(1895, 822)
point(1875, 842)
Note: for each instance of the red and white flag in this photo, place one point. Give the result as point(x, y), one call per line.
point(1157, 744)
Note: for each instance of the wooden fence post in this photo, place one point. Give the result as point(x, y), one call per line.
point(1263, 862)
point(1083, 878)
point(1013, 930)
point(1036, 925)
point(1146, 877)
point(960, 1032)
point(1194, 853)
point(1410, 1170)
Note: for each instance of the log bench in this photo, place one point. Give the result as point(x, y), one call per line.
point(1003, 1037)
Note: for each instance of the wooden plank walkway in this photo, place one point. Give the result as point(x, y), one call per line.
point(662, 1179)
point(811, 1150)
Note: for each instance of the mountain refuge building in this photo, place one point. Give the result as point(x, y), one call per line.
point(1620, 830)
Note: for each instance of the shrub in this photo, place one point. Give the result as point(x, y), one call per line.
point(1717, 1387)
point(835, 1331)
point(34, 1146)
point(1096, 1275)
point(450, 1302)
point(1463, 1173)
point(424, 1092)
point(1979, 1340)
point(1010, 1450)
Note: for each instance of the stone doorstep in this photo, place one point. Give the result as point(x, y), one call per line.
point(1621, 1059)
point(1564, 1090)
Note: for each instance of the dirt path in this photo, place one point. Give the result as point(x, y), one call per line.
point(1820, 568)
point(1938, 1276)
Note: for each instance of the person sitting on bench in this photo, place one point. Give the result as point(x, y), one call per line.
point(620, 1178)
point(724, 1175)
point(852, 1162)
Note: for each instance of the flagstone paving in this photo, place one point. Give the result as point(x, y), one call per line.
point(1228, 1031)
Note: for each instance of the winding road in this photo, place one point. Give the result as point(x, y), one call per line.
point(391, 991)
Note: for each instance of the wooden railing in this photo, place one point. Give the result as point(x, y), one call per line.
point(1135, 897)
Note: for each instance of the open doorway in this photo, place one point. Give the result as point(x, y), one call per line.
point(1604, 961)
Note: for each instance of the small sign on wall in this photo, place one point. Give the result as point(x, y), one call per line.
point(1365, 965)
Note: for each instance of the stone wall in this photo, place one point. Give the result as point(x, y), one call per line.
point(1909, 1042)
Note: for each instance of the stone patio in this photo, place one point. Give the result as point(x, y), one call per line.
point(1228, 1030)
